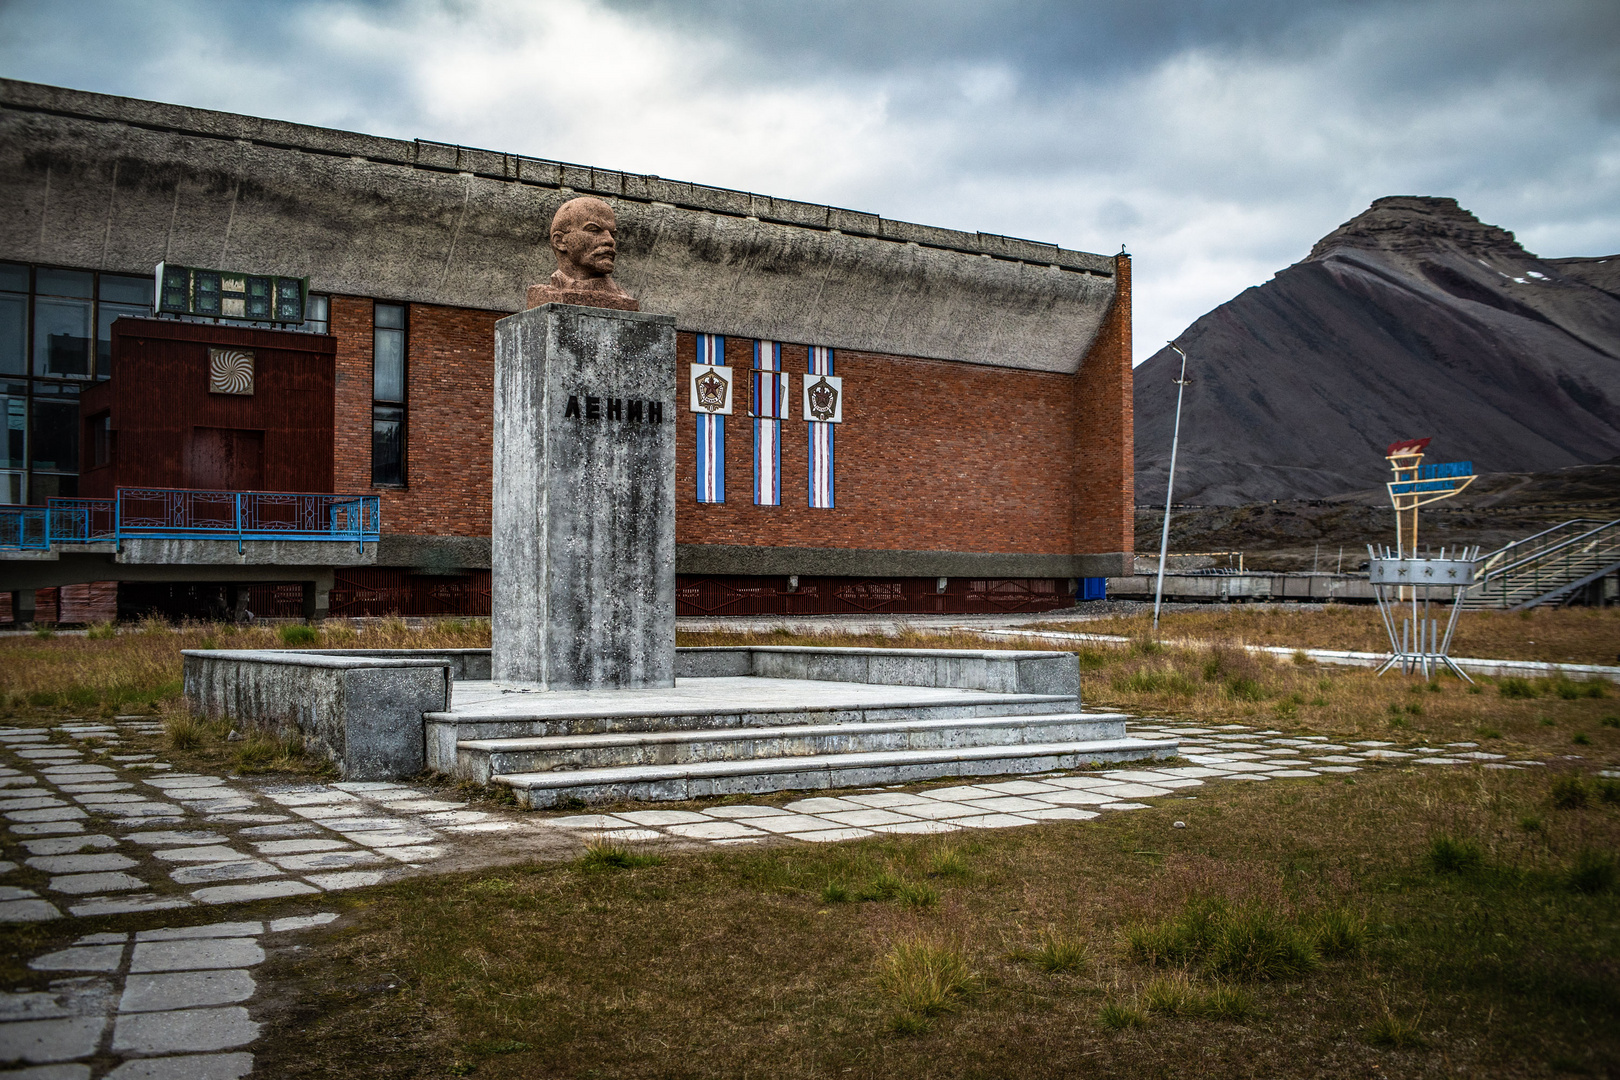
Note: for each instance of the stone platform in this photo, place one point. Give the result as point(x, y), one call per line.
point(738, 719)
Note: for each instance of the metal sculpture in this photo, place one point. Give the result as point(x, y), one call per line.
point(1397, 579)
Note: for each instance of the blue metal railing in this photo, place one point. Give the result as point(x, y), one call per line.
point(188, 514)
point(25, 528)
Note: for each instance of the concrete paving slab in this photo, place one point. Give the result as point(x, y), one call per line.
point(34, 817)
point(1060, 813)
point(302, 922)
point(743, 811)
point(1075, 797)
point(85, 884)
point(416, 853)
point(41, 1041)
point(713, 830)
point(49, 1072)
point(1008, 804)
point(123, 905)
point(47, 828)
point(820, 803)
point(327, 860)
point(196, 933)
point(383, 841)
point(200, 853)
point(991, 821)
point(240, 870)
point(354, 879)
point(80, 864)
point(196, 954)
point(865, 817)
point(939, 810)
point(832, 836)
point(662, 817)
point(186, 1030)
point(190, 1067)
point(297, 828)
point(300, 847)
point(1122, 806)
point(168, 838)
point(80, 958)
point(263, 890)
point(788, 823)
point(185, 990)
point(37, 802)
point(887, 800)
point(21, 911)
point(1017, 787)
point(919, 827)
point(453, 817)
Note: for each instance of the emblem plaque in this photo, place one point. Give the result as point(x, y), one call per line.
point(230, 371)
point(711, 389)
point(824, 399)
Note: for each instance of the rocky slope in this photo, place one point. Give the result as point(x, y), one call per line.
point(1414, 319)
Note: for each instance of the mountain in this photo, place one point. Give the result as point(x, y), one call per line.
point(1414, 319)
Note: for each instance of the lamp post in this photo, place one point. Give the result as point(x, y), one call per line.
point(1169, 491)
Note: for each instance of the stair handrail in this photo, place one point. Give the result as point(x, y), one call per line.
point(1524, 560)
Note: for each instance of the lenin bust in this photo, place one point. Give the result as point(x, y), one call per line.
point(582, 238)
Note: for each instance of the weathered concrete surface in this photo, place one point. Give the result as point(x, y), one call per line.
point(110, 183)
point(998, 671)
point(363, 712)
point(583, 525)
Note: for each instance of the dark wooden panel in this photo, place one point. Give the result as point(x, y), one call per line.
point(170, 431)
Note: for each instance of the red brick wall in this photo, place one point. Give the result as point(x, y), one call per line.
point(932, 455)
point(1105, 460)
point(450, 379)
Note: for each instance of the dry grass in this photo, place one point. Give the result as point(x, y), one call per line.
point(1221, 683)
point(138, 669)
point(1562, 636)
point(730, 963)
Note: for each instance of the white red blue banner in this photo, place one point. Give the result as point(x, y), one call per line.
point(821, 434)
point(711, 430)
point(770, 403)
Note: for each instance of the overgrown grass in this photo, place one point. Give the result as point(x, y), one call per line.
point(1299, 905)
point(1553, 635)
point(137, 668)
point(927, 977)
point(1056, 951)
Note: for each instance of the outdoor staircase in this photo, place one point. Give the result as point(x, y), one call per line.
point(1550, 567)
point(550, 757)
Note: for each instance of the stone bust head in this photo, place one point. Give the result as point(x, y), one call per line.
point(582, 236)
point(583, 239)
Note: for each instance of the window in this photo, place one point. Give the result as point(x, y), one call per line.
point(55, 334)
point(62, 302)
point(318, 314)
point(118, 295)
point(388, 401)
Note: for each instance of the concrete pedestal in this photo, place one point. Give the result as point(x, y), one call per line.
point(583, 531)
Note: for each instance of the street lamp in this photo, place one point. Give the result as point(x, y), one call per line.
point(1169, 489)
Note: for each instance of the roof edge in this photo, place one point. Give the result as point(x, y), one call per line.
point(516, 168)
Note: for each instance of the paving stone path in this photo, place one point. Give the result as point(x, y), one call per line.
point(104, 829)
point(165, 1004)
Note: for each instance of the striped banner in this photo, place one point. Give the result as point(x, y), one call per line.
point(770, 402)
point(821, 440)
point(711, 431)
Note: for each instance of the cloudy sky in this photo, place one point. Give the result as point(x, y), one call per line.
point(1216, 141)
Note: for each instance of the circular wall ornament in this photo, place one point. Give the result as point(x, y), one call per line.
point(230, 371)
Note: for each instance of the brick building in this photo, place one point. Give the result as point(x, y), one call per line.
point(982, 461)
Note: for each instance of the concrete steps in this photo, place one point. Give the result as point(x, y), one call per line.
point(713, 779)
point(481, 759)
point(528, 717)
